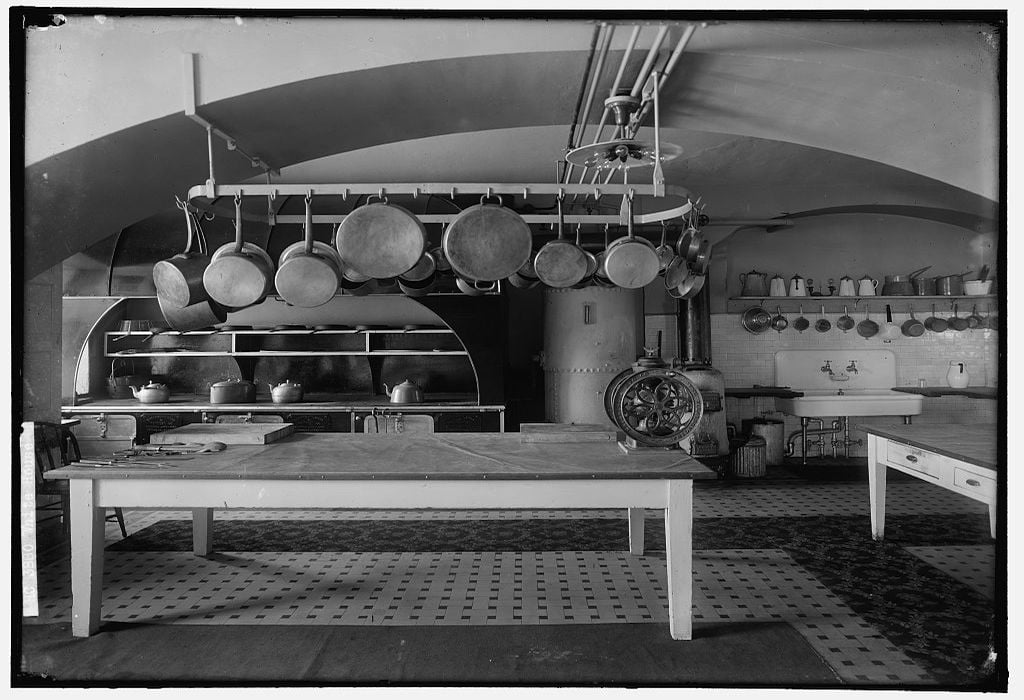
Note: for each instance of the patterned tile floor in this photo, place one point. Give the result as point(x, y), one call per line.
point(501, 588)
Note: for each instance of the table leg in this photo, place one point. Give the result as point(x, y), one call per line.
point(636, 530)
point(876, 485)
point(202, 531)
point(679, 557)
point(87, 525)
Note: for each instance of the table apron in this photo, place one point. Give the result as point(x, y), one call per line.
point(449, 494)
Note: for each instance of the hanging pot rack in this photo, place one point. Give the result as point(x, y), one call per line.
point(205, 198)
point(623, 152)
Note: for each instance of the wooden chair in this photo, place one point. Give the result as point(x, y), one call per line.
point(56, 446)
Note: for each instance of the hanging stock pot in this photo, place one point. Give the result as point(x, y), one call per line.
point(308, 272)
point(240, 274)
point(487, 242)
point(179, 280)
point(381, 240)
point(176, 281)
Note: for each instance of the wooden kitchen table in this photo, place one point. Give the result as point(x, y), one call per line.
point(439, 470)
point(960, 458)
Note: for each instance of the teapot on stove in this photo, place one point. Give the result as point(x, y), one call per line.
point(406, 392)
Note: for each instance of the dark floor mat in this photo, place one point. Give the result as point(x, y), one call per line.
point(943, 624)
point(734, 654)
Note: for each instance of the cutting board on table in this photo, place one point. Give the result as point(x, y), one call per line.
point(566, 432)
point(228, 433)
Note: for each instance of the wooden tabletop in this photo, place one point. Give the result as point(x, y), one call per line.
point(411, 457)
point(972, 443)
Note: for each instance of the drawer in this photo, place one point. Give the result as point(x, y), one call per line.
point(917, 460)
point(982, 487)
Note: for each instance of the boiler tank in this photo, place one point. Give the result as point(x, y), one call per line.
point(590, 335)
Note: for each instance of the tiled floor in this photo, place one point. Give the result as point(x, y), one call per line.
point(550, 587)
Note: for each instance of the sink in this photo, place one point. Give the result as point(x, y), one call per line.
point(822, 403)
point(865, 392)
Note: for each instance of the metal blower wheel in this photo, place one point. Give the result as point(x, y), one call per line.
point(657, 407)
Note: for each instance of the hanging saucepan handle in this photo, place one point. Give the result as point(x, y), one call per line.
point(561, 217)
point(239, 243)
point(578, 238)
point(490, 195)
point(309, 224)
point(606, 226)
point(664, 231)
point(188, 226)
point(629, 215)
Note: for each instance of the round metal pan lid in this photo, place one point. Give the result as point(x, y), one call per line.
point(381, 240)
point(487, 242)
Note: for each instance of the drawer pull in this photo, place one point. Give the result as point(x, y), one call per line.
point(911, 458)
point(973, 482)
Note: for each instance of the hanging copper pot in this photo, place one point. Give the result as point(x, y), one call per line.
point(308, 272)
point(240, 274)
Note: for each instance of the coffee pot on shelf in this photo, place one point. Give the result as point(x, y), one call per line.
point(755, 284)
point(797, 287)
point(847, 287)
point(777, 287)
point(866, 286)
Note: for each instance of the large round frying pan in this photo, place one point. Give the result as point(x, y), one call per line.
point(487, 242)
point(381, 240)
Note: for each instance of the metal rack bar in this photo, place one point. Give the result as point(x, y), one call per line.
point(324, 190)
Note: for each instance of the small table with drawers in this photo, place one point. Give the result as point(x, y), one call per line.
point(960, 458)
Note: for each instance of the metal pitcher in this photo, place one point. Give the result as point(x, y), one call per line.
point(755, 284)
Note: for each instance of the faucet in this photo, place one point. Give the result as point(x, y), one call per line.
point(852, 367)
point(827, 367)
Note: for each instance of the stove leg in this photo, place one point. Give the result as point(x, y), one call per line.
point(907, 419)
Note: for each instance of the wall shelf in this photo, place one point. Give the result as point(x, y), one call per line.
point(287, 353)
point(942, 304)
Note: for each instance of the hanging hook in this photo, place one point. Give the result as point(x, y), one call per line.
point(309, 196)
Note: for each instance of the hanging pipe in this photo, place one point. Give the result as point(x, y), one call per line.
point(614, 89)
point(652, 54)
point(665, 72)
point(575, 136)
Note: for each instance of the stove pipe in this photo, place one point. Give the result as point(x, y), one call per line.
point(693, 324)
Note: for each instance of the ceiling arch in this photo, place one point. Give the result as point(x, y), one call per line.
point(905, 109)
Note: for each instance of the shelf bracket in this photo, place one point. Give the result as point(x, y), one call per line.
point(192, 112)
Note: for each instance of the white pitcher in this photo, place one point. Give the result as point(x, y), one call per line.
point(797, 288)
point(958, 377)
point(866, 286)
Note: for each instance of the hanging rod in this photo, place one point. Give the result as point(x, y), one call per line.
point(451, 189)
point(198, 197)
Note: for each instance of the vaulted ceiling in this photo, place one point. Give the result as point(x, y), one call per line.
point(774, 117)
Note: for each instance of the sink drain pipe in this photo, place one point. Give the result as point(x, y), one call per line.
point(839, 425)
